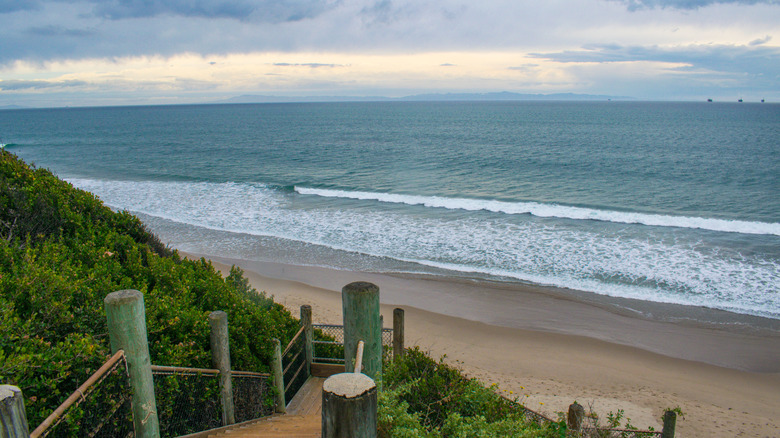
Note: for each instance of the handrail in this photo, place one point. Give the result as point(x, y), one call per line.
point(163, 369)
point(159, 369)
point(359, 357)
point(290, 344)
point(79, 393)
point(249, 374)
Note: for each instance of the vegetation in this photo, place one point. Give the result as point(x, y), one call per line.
point(421, 397)
point(62, 251)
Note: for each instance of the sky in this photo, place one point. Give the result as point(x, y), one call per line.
point(130, 52)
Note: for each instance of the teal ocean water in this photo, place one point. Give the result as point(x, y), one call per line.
point(666, 202)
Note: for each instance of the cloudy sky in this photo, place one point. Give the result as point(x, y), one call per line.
point(108, 52)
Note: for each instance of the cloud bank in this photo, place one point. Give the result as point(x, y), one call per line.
point(676, 47)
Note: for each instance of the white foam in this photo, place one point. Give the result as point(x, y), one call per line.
point(555, 211)
point(652, 267)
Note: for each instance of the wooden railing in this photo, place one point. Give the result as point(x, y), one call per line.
point(80, 394)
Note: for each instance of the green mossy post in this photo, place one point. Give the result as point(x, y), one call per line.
point(670, 423)
point(220, 359)
point(398, 333)
point(13, 418)
point(349, 406)
point(281, 403)
point(362, 322)
point(574, 418)
point(308, 334)
point(127, 329)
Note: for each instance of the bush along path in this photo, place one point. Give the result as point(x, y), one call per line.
point(62, 251)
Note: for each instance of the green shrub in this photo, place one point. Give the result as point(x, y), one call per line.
point(424, 397)
point(62, 251)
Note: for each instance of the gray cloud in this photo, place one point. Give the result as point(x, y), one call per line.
point(307, 64)
point(273, 11)
point(7, 6)
point(635, 5)
point(755, 60)
point(524, 67)
point(759, 41)
point(261, 10)
point(14, 85)
point(58, 31)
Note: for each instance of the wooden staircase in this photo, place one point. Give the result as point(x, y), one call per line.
point(302, 420)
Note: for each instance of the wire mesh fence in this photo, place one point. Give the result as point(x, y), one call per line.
point(101, 410)
point(188, 400)
point(619, 433)
point(252, 396)
point(588, 431)
point(530, 415)
point(329, 343)
point(294, 366)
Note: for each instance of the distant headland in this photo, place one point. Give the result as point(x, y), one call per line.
point(427, 97)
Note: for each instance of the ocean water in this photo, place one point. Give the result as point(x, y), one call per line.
point(665, 202)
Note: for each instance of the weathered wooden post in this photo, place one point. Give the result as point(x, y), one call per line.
point(670, 422)
point(360, 302)
point(308, 334)
point(281, 404)
point(398, 333)
point(220, 359)
point(349, 406)
point(574, 419)
point(127, 330)
point(13, 418)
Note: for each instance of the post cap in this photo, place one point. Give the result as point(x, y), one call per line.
point(361, 287)
point(123, 297)
point(348, 385)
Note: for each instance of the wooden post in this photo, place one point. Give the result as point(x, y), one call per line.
point(398, 333)
point(360, 302)
point(574, 419)
point(349, 406)
point(670, 422)
point(220, 359)
point(308, 333)
point(127, 331)
point(281, 404)
point(13, 418)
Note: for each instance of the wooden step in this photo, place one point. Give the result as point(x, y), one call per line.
point(292, 426)
point(303, 418)
point(308, 401)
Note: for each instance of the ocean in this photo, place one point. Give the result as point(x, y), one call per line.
point(656, 201)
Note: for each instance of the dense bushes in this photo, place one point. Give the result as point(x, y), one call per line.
point(62, 251)
point(421, 397)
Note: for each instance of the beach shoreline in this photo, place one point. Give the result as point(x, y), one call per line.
point(551, 348)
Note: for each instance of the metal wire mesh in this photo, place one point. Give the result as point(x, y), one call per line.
point(103, 411)
point(532, 415)
point(294, 367)
point(187, 402)
point(329, 343)
point(589, 432)
point(252, 397)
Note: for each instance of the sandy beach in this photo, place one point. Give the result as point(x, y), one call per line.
point(551, 347)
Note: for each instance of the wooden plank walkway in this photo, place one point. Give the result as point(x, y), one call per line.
point(302, 420)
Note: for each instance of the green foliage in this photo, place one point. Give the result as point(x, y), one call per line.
point(677, 410)
point(62, 251)
point(423, 397)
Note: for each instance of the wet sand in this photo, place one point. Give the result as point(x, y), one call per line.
point(551, 347)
